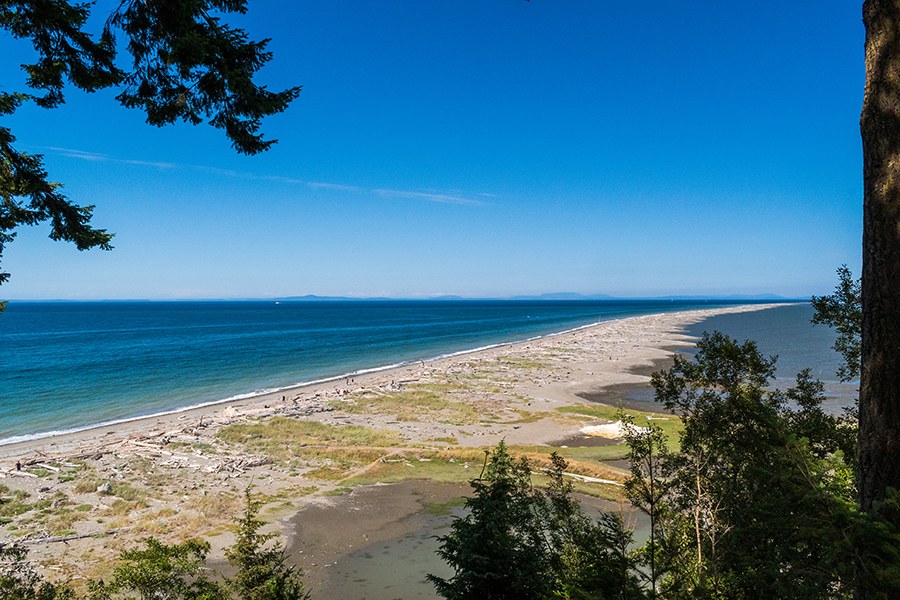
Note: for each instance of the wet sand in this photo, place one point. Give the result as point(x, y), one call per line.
point(379, 542)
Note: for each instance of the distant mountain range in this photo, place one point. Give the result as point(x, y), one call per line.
point(555, 296)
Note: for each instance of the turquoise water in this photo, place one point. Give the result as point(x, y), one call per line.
point(69, 365)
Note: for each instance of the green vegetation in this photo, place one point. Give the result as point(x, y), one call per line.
point(332, 464)
point(293, 432)
point(842, 311)
point(11, 503)
point(260, 570)
point(288, 441)
point(520, 362)
point(445, 508)
point(446, 464)
point(754, 499)
point(418, 403)
point(127, 492)
point(458, 465)
point(157, 571)
point(517, 542)
point(589, 454)
point(758, 501)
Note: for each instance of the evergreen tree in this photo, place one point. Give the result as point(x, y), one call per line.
point(520, 542)
point(19, 581)
point(261, 572)
point(590, 559)
point(162, 572)
point(497, 550)
point(760, 501)
point(187, 65)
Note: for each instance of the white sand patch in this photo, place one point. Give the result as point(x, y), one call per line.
point(610, 431)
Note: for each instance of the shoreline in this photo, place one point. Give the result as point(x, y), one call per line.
point(269, 392)
point(191, 477)
point(64, 439)
point(324, 382)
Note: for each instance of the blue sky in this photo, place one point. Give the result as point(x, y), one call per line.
point(484, 148)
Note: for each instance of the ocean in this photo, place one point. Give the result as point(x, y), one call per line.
point(71, 365)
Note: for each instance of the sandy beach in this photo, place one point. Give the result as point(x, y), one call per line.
point(314, 453)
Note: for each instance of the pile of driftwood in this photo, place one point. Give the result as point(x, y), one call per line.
point(152, 444)
point(42, 462)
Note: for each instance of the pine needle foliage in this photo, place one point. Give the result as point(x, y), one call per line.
point(519, 542)
point(261, 570)
point(187, 65)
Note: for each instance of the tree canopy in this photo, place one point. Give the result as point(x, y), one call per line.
point(519, 542)
point(186, 65)
point(842, 311)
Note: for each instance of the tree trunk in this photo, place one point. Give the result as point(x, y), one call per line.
point(879, 402)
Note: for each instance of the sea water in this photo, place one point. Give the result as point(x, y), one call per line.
point(70, 365)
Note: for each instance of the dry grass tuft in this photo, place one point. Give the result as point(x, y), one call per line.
point(426, 402)
point(281, 438)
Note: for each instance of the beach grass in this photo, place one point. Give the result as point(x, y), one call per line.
point(12, 502)
point(419, 403)
point(280, 434)
point(520, 362)
point(460, 465)
point(455, 465)
point(587, 468)
point(335, 464)
point(443, 509)
point(597, 490)
point(595, 453)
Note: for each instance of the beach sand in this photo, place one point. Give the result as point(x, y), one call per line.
point(183, 475)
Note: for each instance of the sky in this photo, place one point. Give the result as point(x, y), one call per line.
point(481, 148)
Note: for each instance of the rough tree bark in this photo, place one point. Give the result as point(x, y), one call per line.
point(879, 402)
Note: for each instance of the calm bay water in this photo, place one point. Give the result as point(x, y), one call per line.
point(786, 332)
point(68, 365)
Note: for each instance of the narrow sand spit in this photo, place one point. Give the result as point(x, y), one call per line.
point(76, 500)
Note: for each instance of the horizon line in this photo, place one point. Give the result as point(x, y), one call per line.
point(438, 298)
